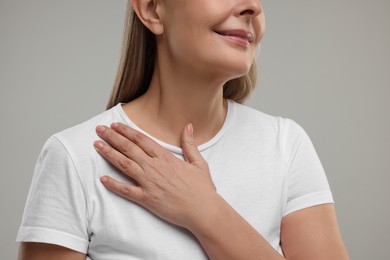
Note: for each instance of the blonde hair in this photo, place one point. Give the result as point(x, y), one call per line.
point(137, 60)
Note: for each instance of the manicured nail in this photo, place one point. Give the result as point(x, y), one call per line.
point(100, 129)
point(103, 179)
point(114, 125)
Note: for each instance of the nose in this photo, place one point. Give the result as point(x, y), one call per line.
point(248, 8)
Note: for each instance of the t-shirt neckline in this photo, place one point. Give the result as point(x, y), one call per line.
point(175, 149)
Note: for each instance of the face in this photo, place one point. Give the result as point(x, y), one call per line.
point(212, 36)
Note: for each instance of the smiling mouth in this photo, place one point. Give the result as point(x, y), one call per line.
point(239, 34)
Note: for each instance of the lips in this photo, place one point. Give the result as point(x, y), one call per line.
point(240, 34)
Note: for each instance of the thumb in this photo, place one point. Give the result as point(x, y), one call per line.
point(190, 150)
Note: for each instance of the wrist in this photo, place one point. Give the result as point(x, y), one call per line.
point(206, 217)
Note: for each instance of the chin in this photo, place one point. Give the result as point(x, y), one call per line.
point(239, 70)
point(228, 65)
point(238, 65)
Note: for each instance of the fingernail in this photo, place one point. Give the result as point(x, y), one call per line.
point(98, 144)
point(100, 129)
point(190, 128)
point(114, 125)
point(103, 179)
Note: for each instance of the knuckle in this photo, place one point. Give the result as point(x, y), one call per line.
point(139, 138)
point(108, 133)
point(125, 190)
point(152, 198)
point(125, 148)
point(125, 165)
point(189, 142)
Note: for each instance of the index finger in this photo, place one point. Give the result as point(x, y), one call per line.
point(147, 144)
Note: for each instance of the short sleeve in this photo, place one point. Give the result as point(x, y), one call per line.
point(55, 210)
point(306, 182)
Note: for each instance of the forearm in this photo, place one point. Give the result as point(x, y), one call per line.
point(224, 234)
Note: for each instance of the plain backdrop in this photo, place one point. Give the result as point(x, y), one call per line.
point(325, 64)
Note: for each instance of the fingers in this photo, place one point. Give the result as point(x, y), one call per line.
point(128, 191)
point(120, 161)
point(190, 149)
point(148, 145)
point(192, 154)
point(129, 150)
point(122, 144)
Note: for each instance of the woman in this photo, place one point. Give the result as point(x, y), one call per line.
point(253, 189)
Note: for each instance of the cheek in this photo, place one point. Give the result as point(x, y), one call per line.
point(188, 34)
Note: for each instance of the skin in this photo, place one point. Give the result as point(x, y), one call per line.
point(188, 47)
point(193, 64)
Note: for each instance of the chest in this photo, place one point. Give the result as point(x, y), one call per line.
point(251, 181)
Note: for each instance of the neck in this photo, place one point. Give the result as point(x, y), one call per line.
point(175, 98)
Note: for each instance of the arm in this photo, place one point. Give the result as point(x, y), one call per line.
point(224, 234)
point(56, 206)
point(193, 203)
point(312, 233)
point(39, 251)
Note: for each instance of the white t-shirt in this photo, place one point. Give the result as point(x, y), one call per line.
point(265, 167)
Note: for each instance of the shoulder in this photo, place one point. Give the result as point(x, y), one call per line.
point(274, 133)
point(76, 142)
point(82, 135)
point(245, 116)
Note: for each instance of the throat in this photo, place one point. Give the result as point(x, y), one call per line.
point(166, 121)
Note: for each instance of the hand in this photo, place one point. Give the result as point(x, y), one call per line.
point(173, 189)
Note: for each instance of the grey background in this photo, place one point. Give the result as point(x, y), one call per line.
point(325, 64)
